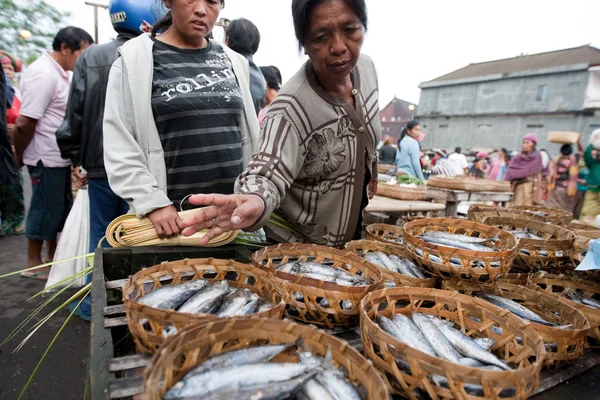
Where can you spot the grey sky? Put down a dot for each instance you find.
(414, 41)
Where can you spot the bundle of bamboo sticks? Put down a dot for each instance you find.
(130, 231)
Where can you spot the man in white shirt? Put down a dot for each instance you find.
(458, 161)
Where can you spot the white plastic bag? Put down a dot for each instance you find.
(74, 241)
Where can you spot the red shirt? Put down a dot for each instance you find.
(13, 112)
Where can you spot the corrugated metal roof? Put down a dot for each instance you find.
(577, 55)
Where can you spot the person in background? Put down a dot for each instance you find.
(273, 87)
(317, 164)
(496, 165)
(180, 122)
(387, 153)
(12, 203)
(278, 73)
(458, 161)
(79, 137)
(581, 189)
(507, 158)
(408, 158)
(45, 92)
(526, 173)
(562, 186)
(591, 204)
(243, 37)
(442, 166)
(8, 170)
(477, 170)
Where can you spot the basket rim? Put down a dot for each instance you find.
(445, 364)
(301, 280)
(383, 247)
(409, 237)
(394, 228)
(575, 332)
(568, 241)
(200, 332)
(133, 305)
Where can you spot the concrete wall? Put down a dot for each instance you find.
(564, 92)
(505, 131)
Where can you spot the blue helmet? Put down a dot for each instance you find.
(135, 16)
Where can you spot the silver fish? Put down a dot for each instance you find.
(390, 327)
(337, 385)
(411, 335)
(263, 306)
(466, 345)
(238, 377)
(437, 259)
(172, 296)
(262, 391)
(591, 302)
(457, 237)
(387, 262)
(389, 284)
(485, 343)
(401, 267)
(337, 281)
(250, 307)
(471, 362)
(438, 341)
(313, 390)
(414, 268)
(313, 270)
(497, 330)
(233, 303)
(373, 259)
(207, 301)
(456, 244)
(252, 355)
(515, 308)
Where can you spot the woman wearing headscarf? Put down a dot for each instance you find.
(526, 173)
(317, 163)
(562, 186)
(591, 204)
(179, 116)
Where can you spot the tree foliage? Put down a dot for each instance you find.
(36, 16)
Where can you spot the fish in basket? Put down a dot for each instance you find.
(397, 270)
(454, 248)
(441, 344)
(161, 300)
(562, 327)
(260, 359)
(324, 285)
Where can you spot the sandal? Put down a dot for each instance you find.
(39, 275)
(19, 230)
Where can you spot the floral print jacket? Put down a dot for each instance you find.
(316, 155)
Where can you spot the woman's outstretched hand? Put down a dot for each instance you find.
(222, 213)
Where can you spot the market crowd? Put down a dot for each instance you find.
(164, 118)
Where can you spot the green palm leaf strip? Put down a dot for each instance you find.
(39, 364)
(45, 265)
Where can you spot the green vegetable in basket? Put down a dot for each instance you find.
(409, 179)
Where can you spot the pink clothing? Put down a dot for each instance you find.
(262, 114)
(495, 168)
(45, 93)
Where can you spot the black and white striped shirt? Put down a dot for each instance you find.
(198, 109)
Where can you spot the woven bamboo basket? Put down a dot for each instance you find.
(198, 343)
(576, 225)
(557, 243)
(130, 231)
(385, 233)
(480, 266)
(361, 247)
(468, 184)
(562, 345)
(384, 350)
(555, 216)
(562, 284)
(515, 279)
(341, 308)
(384, 168)
(401, 192)
(171, 273)
(478, 213)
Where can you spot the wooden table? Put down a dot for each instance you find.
(453, 197)
(387, 205)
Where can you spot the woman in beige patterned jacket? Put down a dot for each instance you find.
(317, 162)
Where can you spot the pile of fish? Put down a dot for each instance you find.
(514, 308)
(323, 272)
(251, 374)
(201, 297)
(456, 241)
(395, 264)
(525, 234)
(439, 338)
(393, 238)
